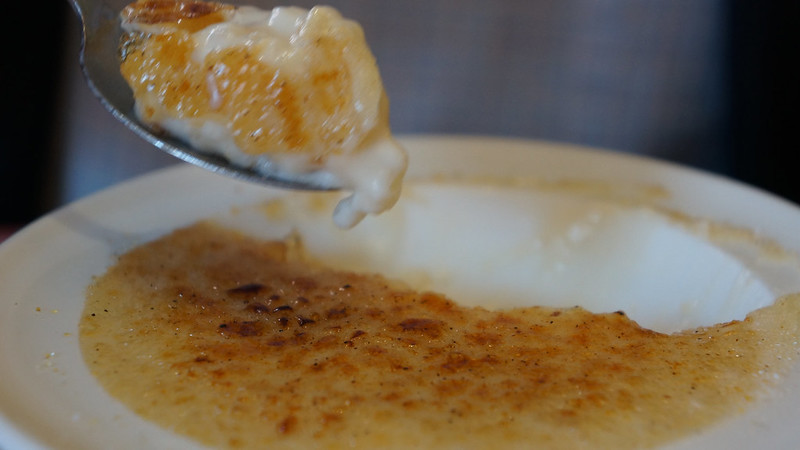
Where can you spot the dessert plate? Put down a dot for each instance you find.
(523, 216)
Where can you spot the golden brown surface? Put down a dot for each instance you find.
(189, 15)
(238, 343)
(267, 107)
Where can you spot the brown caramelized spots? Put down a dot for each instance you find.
(258, 308)
(287, 425)
(190, 15)
(302, 321)
(242, 329)
(427, 327)
(357, 333)
(337, 313)
(250, 288)
(291, 358)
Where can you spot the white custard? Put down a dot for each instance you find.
(501, 247)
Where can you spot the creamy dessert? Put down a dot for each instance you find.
(287, 90)
(237, 342)
(241, 343)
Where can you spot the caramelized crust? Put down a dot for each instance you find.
(236, 343)
(330, 101)
(294, 94)
(175, 12)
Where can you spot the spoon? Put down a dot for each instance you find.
(99, 59)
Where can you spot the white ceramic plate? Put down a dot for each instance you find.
(48, 399)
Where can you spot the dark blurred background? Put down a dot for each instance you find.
(710, 84)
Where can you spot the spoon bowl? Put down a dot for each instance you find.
(99, 59)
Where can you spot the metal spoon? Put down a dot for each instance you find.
(99, 58)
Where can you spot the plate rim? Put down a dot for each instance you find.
(10, 431)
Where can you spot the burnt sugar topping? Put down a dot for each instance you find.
(237, 343)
